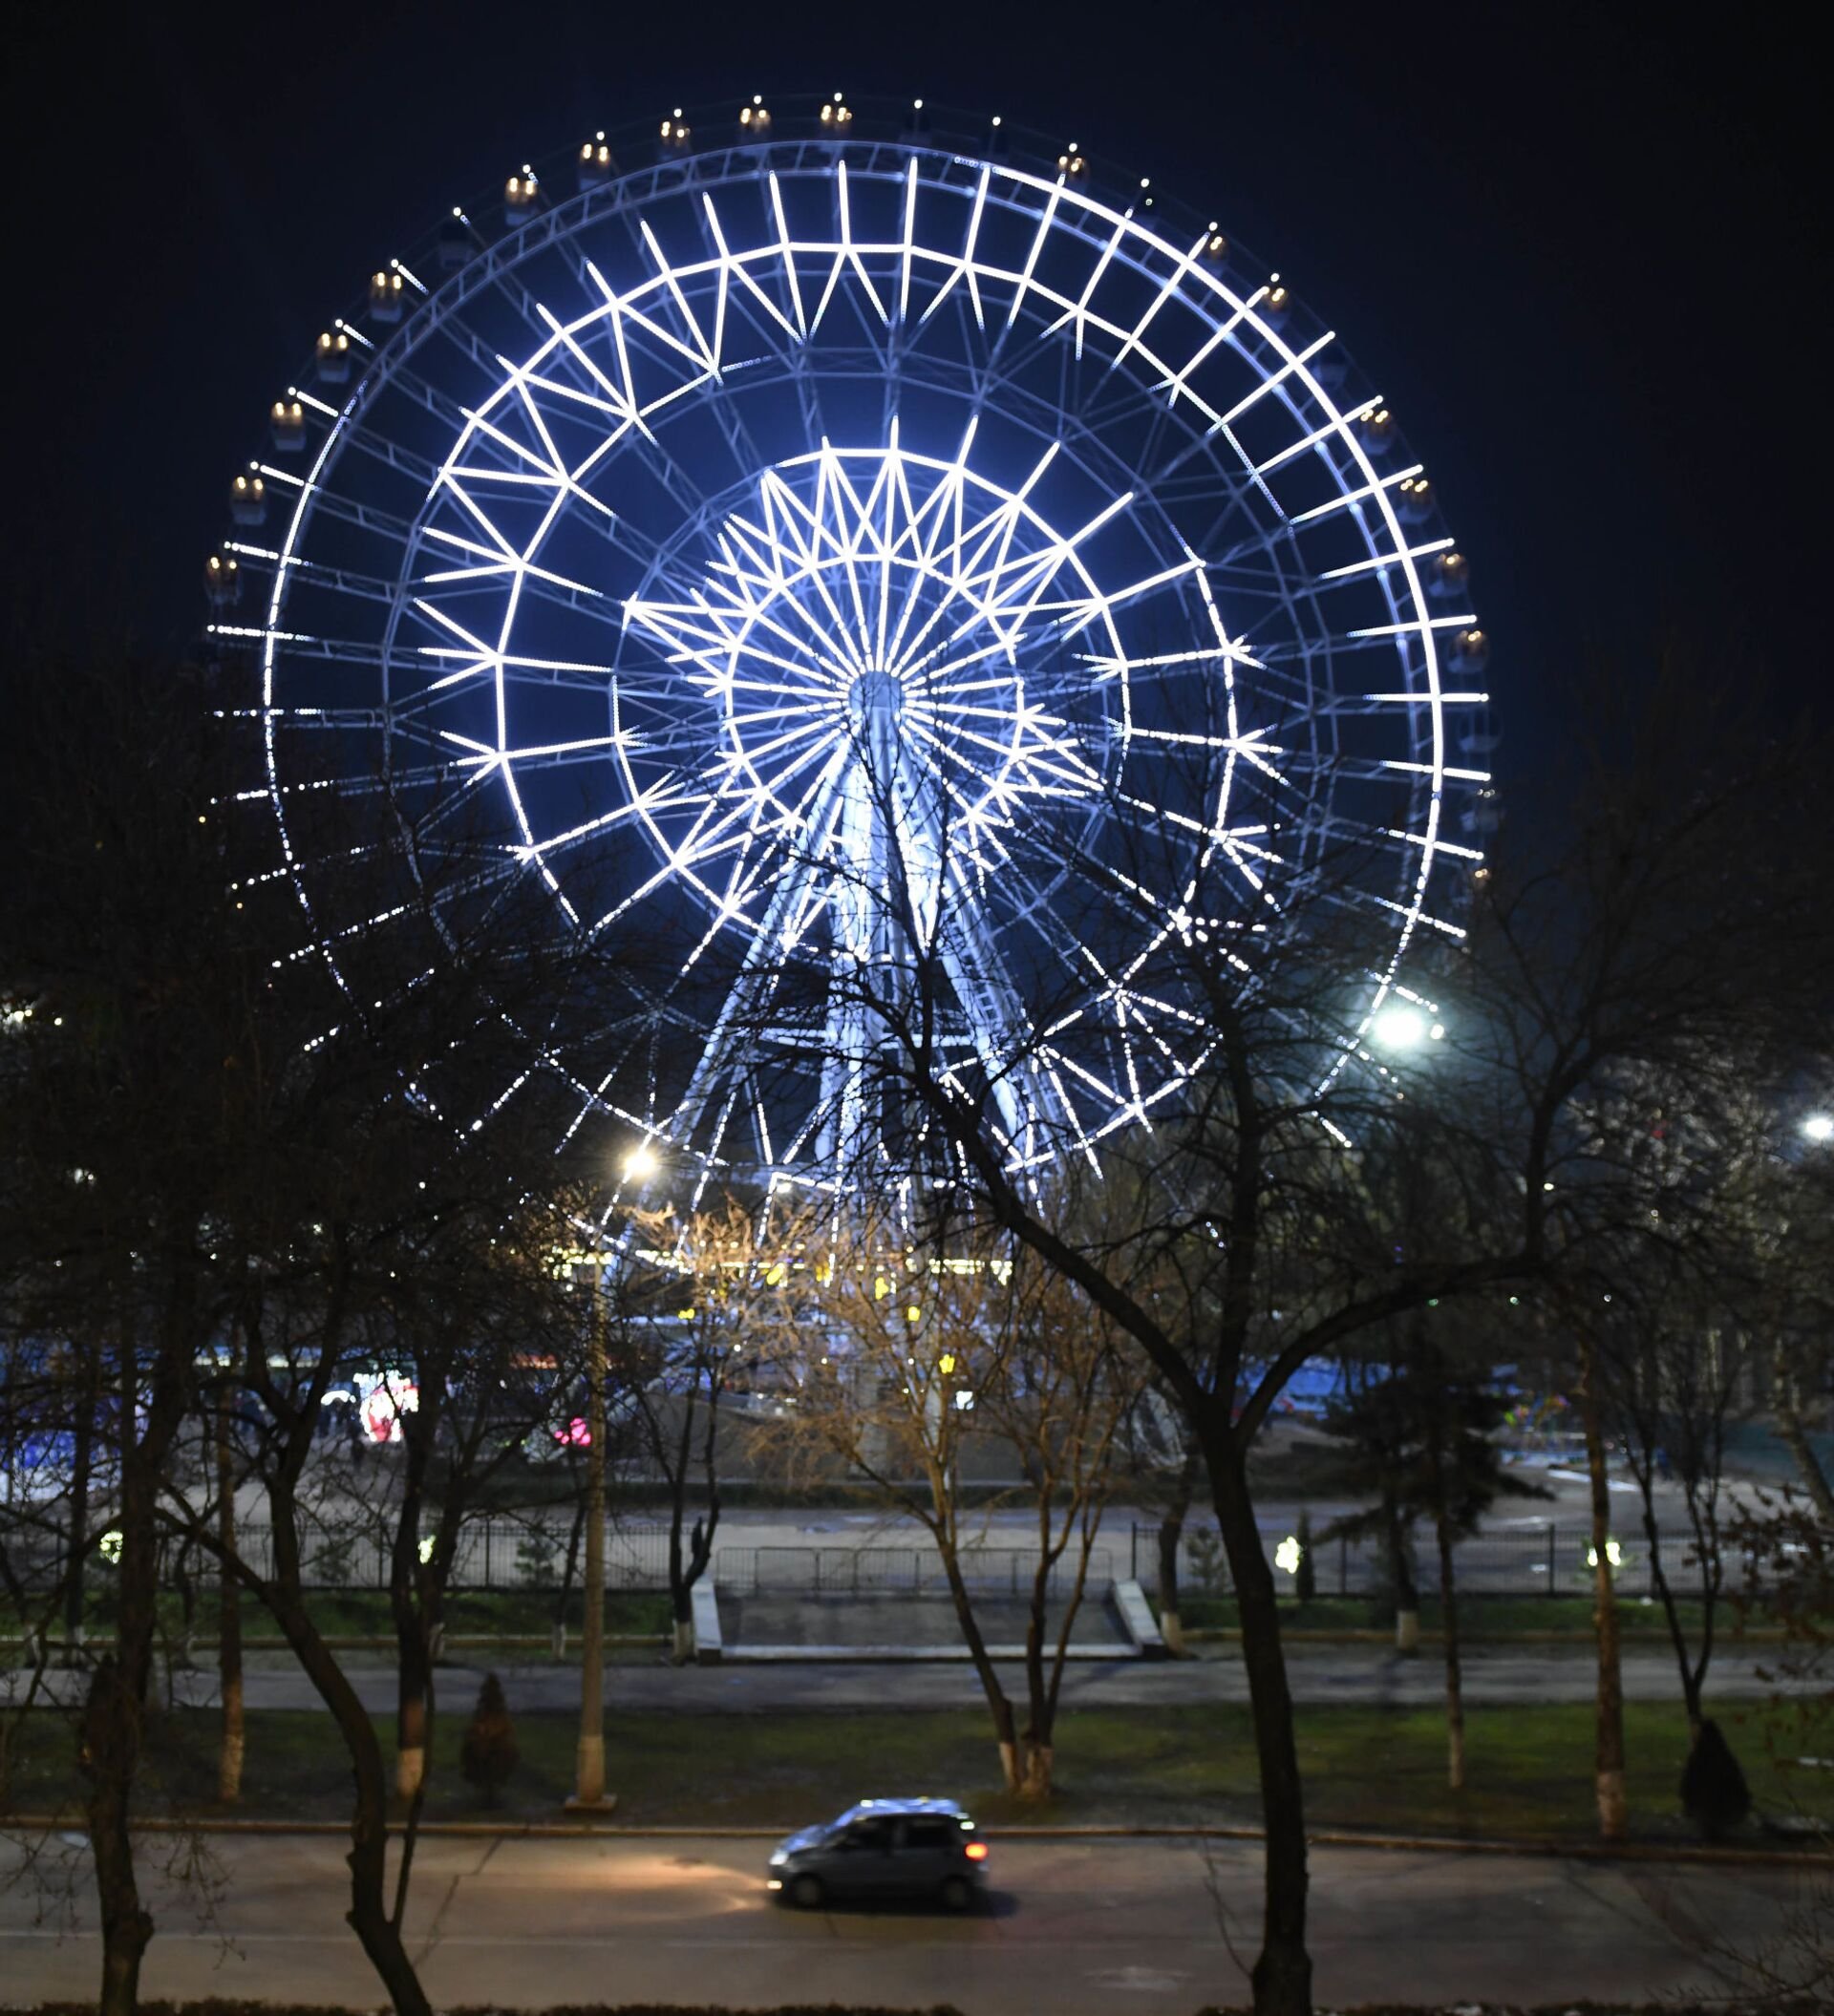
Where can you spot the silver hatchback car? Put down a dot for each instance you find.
(884, 1848)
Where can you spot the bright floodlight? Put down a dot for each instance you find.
(640, 1164)
(826, 547)
(1401, 1028)
(1819, 1127)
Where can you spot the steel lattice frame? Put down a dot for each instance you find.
(784, 524)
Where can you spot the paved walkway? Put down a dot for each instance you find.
(1347, 1675)
(1075, 1928)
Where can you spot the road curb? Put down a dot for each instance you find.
(1327, 1838)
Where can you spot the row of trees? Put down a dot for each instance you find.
(232, 1169)
(1655, 964)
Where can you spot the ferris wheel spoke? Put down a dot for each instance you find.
(628, 540)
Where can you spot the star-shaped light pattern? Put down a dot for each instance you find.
(875, 594)
(905, 676)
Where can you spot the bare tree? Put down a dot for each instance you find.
(1266, 1187)
(685, 1319)
(904, 1349)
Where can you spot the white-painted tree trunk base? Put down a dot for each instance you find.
(1407, 1630)
(410, 1767)
(589, 1772)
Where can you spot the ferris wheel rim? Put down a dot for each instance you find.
(546, 228)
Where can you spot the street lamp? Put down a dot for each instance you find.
(640, 1164)
(590, 1795)
(1401, 1028)
(1819, 1127)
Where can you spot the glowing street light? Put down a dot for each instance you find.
(1820, 1127)
(1401, 1028)
(640, 1164)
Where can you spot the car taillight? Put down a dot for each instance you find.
(975, 1850)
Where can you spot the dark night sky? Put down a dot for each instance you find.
(1580, 249)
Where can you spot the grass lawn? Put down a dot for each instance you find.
(1365, 1768)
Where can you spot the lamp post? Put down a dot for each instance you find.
(590, 1795)
(589, 1788)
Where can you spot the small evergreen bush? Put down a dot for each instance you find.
(1713, 1793)
(489, 1753)
(1305, 1579)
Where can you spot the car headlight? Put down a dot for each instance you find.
(778, 1859)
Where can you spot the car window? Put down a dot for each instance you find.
(874, 1834)
(929, 1831)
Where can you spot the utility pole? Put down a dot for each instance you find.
(588, 1790)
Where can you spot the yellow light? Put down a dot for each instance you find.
(775, 1276)
(881, 1287)
(912, 1313)
(946, 1362)
(640, 1163)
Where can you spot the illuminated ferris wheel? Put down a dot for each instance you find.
(854, 552)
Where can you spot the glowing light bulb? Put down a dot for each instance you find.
(1401, 1028)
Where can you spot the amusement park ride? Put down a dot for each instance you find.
(891, 543)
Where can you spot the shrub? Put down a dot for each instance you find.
(1305, 1580)
(1714, 1792)
(489, 1753)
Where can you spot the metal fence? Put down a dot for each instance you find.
(1542, 1559)
(493, 1553)
(894, 1571)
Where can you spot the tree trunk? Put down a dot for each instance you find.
(113, 1715)
(567, 1572)
(1035, 1743)
(1664, 1593)
(588, 1763)
(82, 1461)
(1282, 1975)
(1005, 1722)
(1453, 1676)
(1613, 1815)
(411, 1721)
(1407, 1596)
(229, 1754)
(1037, 1760)
(1171, 1531)
(368, 1917)
(109, 1757)
(1791, 1434)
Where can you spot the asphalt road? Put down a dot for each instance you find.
(1072, 1927)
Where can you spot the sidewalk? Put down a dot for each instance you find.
(1321, 1675)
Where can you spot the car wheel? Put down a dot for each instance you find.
(957, 1893)
(806, 1893)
